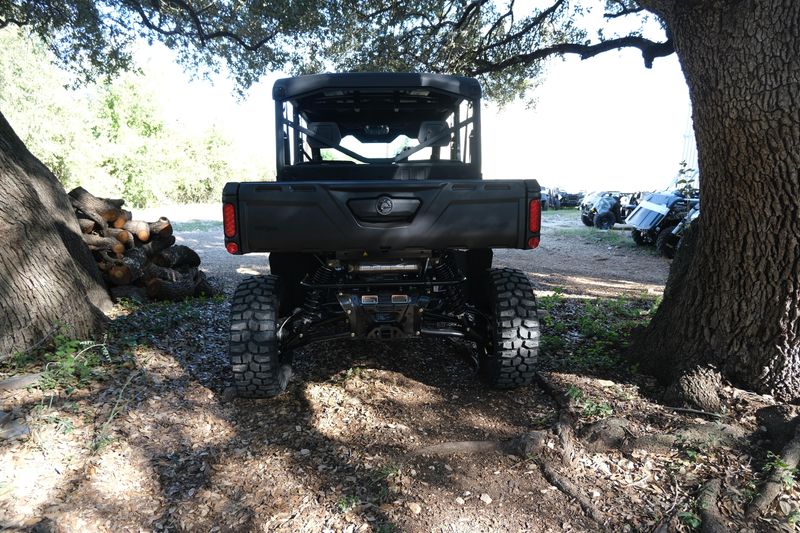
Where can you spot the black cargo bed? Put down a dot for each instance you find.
(351, 216)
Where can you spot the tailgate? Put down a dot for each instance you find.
(381, 215)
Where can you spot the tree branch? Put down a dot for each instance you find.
(650, 51)
(15, 22)
(197, 24)
(624, 7)
(533, 23)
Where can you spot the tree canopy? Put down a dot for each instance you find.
(501, 42)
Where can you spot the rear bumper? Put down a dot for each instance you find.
(356, 216)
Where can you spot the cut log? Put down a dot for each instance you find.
(175, 291)
(87, 225)
(96, 242)
(91, 205)
(178, 256)
(122, 218)
(135, 259)
(193, 283)
(140, 229)
(162, 227)
(156, 246)
(123, 236)
(120, 274)
(152, 271)
(206, 287)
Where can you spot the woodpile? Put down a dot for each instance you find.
(139, 260)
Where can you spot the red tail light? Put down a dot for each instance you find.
(232, 247)
(229, 220)
(535, 216)
(533, 242)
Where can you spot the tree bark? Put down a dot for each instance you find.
(733, 294)
(48, 277)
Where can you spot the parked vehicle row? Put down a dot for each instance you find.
(556, 199)
(662, 217)
(603, 209)
(659, 218)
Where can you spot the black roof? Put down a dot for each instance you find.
(287, 88)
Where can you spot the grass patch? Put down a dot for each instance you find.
(591, 335)
(198, 225)
(65, 363)
(589, 408)
(347, 502)
(619, 238)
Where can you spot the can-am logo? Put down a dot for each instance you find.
(385, 205)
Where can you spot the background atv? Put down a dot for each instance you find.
(603, 209)
(655, 218)
(668, 244)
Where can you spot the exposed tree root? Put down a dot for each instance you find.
(601, 436)
(534, 445)
(712, 521)
(465, 447)
(696, 389)
(567, 418)
(570, 489)
(697, 412)
(790, 455)
(524, 446)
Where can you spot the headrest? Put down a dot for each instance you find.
(326, 130)
(432, 128)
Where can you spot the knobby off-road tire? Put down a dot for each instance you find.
(587, 220)
(510, 360)
(604, 220)
(638, 238)
(667, 243)
(258, 371)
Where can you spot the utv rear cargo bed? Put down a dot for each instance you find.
(382, 215)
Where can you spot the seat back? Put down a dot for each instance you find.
(326, 130)
(432, 128)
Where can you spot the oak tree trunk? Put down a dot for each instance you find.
(733, 302)
(48, 278)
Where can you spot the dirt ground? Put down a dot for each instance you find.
(161, 444)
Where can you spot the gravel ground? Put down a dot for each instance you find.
(161, 444)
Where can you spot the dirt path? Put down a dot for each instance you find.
(162, 445)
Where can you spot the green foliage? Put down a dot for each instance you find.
(66, 364)
(589, 407)
(118, 138)
(778, 467)
(690, 519)
(63, 425)
(503, 43)
(591, 334)
(389, 471)
(347, 502)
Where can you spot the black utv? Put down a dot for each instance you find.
(380, 226)
(657, 216)
(603, 209)
(669, 238)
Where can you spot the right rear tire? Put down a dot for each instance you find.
(258, 370)
(510, 360)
